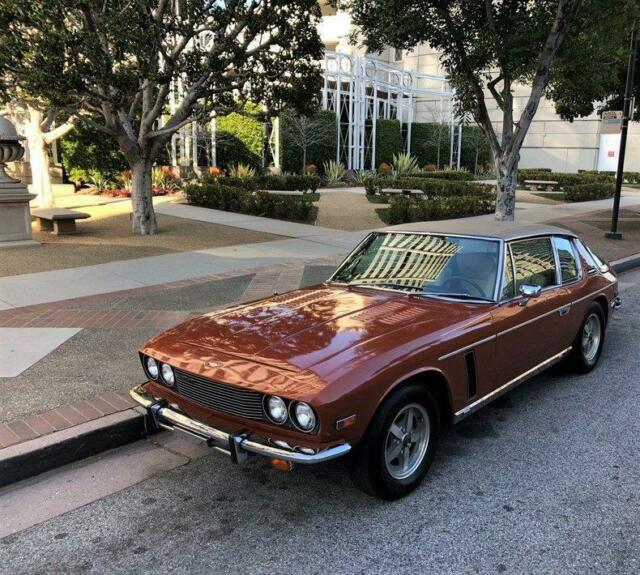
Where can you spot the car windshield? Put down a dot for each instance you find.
(440, 266)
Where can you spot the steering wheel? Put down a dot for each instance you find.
(470, 283)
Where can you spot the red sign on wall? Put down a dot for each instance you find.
(611, 154)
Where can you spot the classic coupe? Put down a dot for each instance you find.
(414, 330)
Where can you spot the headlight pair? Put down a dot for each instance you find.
(163, 370)
(302, 415)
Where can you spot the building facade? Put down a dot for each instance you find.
(550, 143)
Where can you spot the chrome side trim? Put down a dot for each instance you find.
(238, 446)
(469, 409)
(466, 348)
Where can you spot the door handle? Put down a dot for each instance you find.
(564, 310)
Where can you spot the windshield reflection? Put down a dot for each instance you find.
(447, 266)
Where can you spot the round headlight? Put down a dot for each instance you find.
(277, 409)
(152, 368)
(304, 416)
(167, 374)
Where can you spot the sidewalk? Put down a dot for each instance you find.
(70, 337)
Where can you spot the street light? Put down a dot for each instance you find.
(614, 234)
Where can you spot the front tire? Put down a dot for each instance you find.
(396, 452)
(589, 341)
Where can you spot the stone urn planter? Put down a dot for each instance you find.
(15, 215)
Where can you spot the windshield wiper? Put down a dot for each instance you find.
(458, 296)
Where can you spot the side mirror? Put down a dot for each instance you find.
(529, 291)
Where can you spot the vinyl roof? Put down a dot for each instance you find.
(483, 228)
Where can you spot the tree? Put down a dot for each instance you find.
(40, 124)
(305, 132)
(488, 47)
(123, 60)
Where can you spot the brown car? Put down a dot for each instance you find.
(413, 331)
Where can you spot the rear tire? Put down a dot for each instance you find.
(398, 448)
(587, 346)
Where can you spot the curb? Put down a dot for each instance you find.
(626, 264)
(24, 460)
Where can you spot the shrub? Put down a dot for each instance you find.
(431, 187)
(405, 209)
(215, 171)
(290, 182)
(165, 177)
(333, 172)
(563, 179)
(446, 175)
(388, 140)
(310, 169)
(384, 168)
(586, 192)
(240, 138)
(429, 168)
(404, 165)
(430, 142)
(214, 194)
(242, 172)
(87, 153)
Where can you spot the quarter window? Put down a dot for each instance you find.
(508, 285)
(534, 263)
(567, 259)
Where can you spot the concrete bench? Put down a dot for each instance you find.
(404, 192)
(285, 192)
(535, 185)
(60, 221)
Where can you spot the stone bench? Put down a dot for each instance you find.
(400, 192)
(535, 185)
(60, 221)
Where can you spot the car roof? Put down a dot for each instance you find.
(484, 228)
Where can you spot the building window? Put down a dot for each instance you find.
(396, 54)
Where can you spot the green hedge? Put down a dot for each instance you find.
(563, 179)
(586, 192)
(431, 188)
(240, 138)
(88, 154)
(628, 177)
(317, 154)
(425, 144)
(445, 175)
(288, 183)
(404, 210)
(388, 140)
(240, 200)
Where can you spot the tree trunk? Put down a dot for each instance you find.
(143, 219)
(39, 164)
(304, 158)
(506, 192)
(475, 163)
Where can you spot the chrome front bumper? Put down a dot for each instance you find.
(237, 446)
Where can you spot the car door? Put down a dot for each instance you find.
(528, 329)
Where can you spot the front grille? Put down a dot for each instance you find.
(219, 396)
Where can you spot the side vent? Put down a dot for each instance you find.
(470, 363)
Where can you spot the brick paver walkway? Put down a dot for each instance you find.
(102, 315)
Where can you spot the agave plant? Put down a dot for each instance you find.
(242, 171)
(333, 171)
(99, 182)
(404, 165)
(361, 177)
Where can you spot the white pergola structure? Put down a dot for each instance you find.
(361, 90)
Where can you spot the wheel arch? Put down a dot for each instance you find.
(601, 299)
(437, 383)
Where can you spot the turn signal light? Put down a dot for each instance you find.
(345, 422)
(281, 464)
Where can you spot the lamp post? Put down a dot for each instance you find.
(614, 234)
(15, 215)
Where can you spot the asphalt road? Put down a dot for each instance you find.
(544, 481)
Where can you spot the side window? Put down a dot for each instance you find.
(534, 263)
(508, 284)
(567, 259)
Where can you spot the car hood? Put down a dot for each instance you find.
(298, 330)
